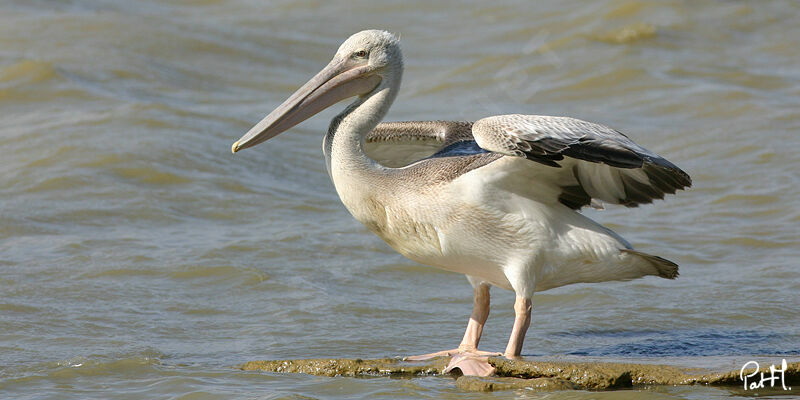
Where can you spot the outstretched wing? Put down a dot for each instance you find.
(586, 160)
(397, 144)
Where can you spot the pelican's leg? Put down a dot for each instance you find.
(472, 336)
(480, 312)
(522, 320)
(467, 357)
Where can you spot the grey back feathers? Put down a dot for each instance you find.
(586, 160)
(398, 144)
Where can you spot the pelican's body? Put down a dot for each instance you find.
(474, 224)
(498, 201)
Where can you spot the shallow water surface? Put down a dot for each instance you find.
(140, 259)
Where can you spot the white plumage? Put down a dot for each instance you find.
(496, 200)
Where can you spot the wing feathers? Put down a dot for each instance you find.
(608, 165)
(582, 160)
(397, 144)
(574, 197)
(603, 151)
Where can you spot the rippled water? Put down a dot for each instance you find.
(140, 259)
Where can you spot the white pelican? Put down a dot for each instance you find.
(498, 201)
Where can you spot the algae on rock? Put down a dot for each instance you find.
(516, 374)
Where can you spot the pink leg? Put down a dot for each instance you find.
(480, 312)
(469, 344)
(469, 360)
(522, 320)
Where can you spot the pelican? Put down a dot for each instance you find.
(497, 200)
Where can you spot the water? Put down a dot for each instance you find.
(140, 259)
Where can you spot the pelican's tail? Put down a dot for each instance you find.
(665, 268)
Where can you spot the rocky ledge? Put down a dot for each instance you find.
(535, 375)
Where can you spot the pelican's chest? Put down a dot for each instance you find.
(400, 223)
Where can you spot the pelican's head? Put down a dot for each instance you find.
(361, 64)
(380, 50)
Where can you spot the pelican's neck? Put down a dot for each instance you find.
(344, 143)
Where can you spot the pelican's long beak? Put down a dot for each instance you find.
(342, 78)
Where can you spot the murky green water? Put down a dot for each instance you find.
(140, 259)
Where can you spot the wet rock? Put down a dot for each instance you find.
(516, 374)
(590, 375)
(478, 384)
(350, 367)
(598, 376)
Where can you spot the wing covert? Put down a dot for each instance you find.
(589, 160)
(397, 144)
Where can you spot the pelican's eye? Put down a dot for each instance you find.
(360, 54)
